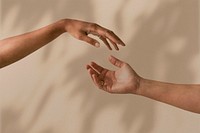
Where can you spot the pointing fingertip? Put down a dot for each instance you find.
(123, 44)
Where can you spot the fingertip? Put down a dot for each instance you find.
(116, 46)
(111, 57)
(97, 44)
(87, 66)
(91, 41)
(90, 71)
(109, 47)
(92, 63)
(123, 44)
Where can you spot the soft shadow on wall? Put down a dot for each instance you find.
(146, 44)
(27, 15)
(167, 38)
(169, 33)
(170, 21)
(11, 117)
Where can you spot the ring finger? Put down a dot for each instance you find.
(105, 41)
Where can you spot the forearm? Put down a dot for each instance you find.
(186, 97)
(15, 48)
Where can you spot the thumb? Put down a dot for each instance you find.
(116, 62)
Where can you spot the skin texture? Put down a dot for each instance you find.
(15, 48)
(126, 81)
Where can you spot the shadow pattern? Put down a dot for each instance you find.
(178, 19)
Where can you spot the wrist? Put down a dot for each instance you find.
(62, 25)
(140, 86)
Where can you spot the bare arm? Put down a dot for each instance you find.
(15, 48)
(126, 80)
(185, 96)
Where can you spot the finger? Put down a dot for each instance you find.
(105, 42)
(97, 81)
(95, 29)
(113, 37)
(94, 80)
(102, 75)
(91, 70)
(115, 45)
(116, 61)
(102, 38)
(97, 67)
(89, 40)
(92, 73)
(88, 67)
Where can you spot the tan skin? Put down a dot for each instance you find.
(15, 48)
(125, 80)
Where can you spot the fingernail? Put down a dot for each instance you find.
(97, 44)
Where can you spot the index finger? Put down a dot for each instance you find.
(97, 67)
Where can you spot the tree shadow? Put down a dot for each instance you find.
(26, 15)
(155, 33)
(179, 21)
(12, 117)
(170, 20)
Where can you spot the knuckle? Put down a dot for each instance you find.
(94, 26)
(80, 37)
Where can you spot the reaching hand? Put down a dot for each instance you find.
(124, 80)
(81, 30)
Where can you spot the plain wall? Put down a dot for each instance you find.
(51, 92)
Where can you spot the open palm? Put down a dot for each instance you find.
(123, 80)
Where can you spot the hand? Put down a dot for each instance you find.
(81, 30)
(124, 80)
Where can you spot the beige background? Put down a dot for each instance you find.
(50, 91)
